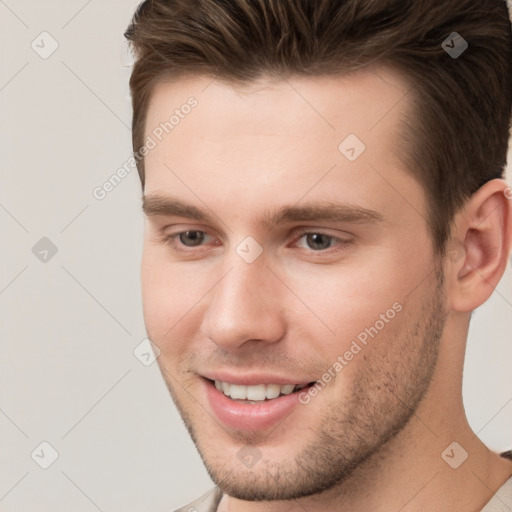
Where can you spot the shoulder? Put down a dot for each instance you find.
(208, 502)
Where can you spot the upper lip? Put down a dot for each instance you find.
(252, 379)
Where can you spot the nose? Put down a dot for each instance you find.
(244, 306)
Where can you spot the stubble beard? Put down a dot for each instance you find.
(352, 432)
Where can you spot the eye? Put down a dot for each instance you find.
(191, 238)
(189, 242)
(319, 241)
(312, 241)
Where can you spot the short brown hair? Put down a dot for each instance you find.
(458, 137)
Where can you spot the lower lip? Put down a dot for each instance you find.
(241, 416)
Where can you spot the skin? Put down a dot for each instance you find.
(372, 438)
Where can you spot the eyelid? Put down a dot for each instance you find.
(321, 231)
(178, 229)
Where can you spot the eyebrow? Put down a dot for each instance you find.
(154, 204)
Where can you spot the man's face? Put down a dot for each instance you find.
(311, 264)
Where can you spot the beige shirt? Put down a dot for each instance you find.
(206, 503)
(500, 502)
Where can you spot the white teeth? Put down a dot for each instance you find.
(256, 393)
(237, 391)
(273, 391)
(287, 389)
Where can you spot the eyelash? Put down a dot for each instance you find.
(343, 243)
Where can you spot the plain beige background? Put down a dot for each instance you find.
(69, 324)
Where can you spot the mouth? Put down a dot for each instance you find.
(253, 402)
(258, 393)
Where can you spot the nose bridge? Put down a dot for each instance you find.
(243, 305)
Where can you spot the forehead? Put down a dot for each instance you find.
(355, 102)
(279, 135)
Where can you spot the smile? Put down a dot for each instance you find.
(256, 393)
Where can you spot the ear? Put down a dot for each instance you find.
(477, 254)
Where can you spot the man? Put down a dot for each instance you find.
(324, 209)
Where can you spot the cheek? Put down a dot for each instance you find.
(171, 294)
(160, 291)
(152, 303)
(342, 302)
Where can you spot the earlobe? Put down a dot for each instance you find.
(478, 251)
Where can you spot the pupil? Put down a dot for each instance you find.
(315, 241)
(195, 237)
